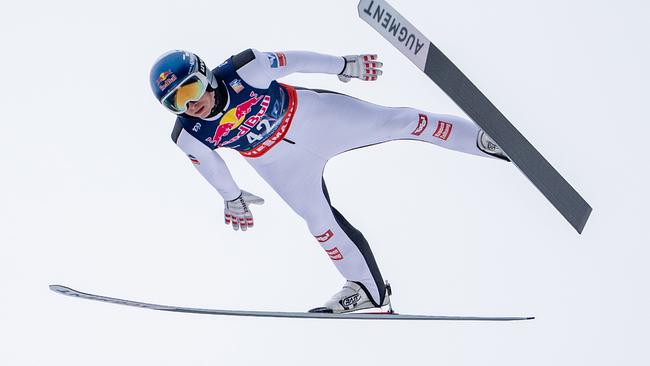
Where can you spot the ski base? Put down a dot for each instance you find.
(63, 290)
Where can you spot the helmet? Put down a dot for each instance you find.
(179, 77)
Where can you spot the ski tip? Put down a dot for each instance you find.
(60, 289)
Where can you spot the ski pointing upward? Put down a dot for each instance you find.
(273, 314)
(428, 58)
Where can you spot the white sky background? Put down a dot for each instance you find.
(94, 194)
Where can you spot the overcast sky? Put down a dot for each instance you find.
(95, 196)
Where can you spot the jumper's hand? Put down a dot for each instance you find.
(237, 211)
(364, 67)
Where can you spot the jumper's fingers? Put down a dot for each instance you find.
(235, 223)
(374, 64)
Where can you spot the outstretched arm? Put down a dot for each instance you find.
(214, 170)
(280, 64)
(209, 164)
(264, 67)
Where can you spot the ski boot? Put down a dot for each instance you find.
(488, 146)
(353, 297)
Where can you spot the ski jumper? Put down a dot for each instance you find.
(287, 134)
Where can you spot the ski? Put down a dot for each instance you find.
(428, 58)
(273, 314)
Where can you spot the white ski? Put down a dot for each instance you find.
(274, 314)
(428, 58)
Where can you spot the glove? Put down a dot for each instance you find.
(364, 67)
(237, 212)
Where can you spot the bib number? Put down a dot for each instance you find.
(263, 127)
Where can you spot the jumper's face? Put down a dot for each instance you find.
(202, 107)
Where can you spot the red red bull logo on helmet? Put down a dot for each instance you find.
(234, 118)
(165, 79)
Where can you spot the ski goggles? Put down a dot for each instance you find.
(189, 90)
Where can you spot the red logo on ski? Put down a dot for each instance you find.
(443, 131)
